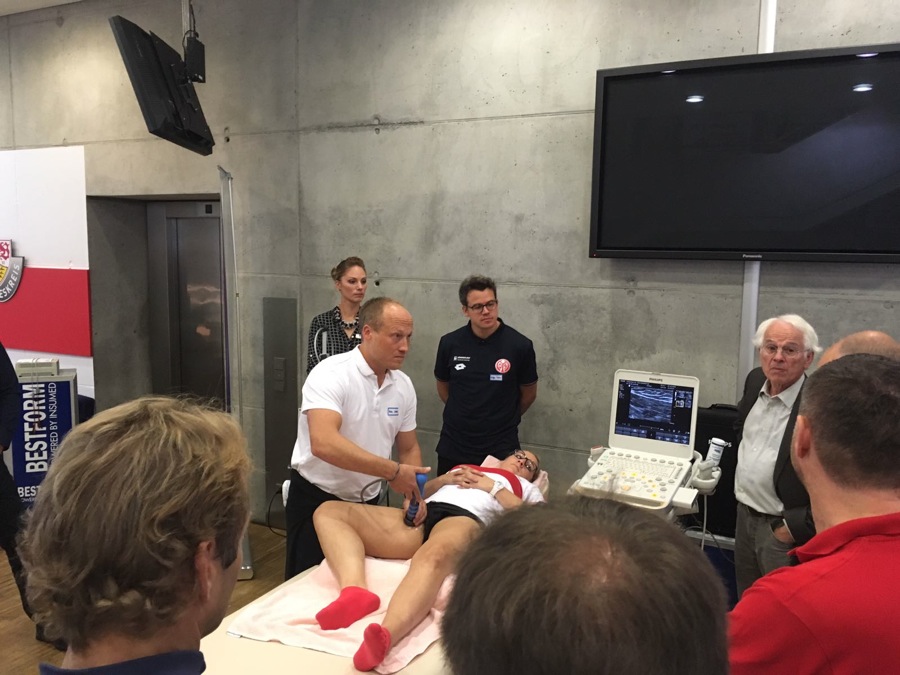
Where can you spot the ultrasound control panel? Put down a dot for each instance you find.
(635, 477)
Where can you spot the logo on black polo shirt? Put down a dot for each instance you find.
(502, 366)
(460, 366)
(462, 358)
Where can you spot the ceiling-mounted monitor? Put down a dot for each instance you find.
(787, 156)
(163, 88)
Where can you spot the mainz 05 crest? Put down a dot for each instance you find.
(10, 270)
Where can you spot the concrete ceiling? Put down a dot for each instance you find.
(16, 6)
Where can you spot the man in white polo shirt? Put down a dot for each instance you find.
(356, 406)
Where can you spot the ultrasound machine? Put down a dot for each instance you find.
(651, 445)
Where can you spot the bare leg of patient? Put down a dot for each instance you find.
(347, 533)
(415, 595)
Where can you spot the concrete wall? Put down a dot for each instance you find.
(117, 237)
(437, 139)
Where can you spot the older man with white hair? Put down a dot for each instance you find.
(773, 512)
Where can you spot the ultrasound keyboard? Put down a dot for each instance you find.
(639, 478)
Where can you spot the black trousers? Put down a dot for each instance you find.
(303, 549)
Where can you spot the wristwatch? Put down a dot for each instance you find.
(497, 487)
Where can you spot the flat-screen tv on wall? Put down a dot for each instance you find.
(786, 156)
(163, 87)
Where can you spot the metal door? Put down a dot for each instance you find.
(187, 321)
(200, 299)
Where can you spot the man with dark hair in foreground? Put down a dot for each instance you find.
(838, 611)
(585, 587)
(133, 546)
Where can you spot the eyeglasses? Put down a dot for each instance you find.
(479, 307)
(789, 351)
(521, 456)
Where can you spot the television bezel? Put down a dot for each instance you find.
(598, 251)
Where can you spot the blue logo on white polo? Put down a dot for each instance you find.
(393, 411)
(496, 377)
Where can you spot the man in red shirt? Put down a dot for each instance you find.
(838, 611)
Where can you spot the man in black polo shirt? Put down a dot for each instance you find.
(486, 377)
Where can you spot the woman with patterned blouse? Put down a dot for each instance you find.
(337, 330)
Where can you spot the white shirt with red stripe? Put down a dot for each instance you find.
(480, 503)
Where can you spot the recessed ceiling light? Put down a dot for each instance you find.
(867, 55)
(667, 72)
(694, 98)
(862, 87)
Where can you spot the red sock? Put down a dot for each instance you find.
(352, 604)
(376, 644)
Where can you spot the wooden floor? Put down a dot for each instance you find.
(22, 653)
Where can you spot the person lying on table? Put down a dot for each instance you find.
(457, 505)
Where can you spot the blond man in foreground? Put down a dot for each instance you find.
(132, 548)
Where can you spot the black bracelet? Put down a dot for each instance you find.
(396, 473)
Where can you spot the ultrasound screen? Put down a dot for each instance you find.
(654, 411)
